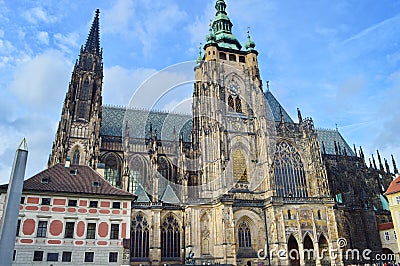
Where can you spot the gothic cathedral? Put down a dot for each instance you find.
(237, 182)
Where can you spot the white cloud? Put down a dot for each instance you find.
(43, 80)
(43, 37)
(120, 83)
(37, 15)
(67, 43)
(118, 18)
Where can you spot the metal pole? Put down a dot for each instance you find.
(8, 223)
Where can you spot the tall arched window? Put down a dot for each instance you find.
(85, 90)
(164, 168)
(231, 103)
(112, 172)
(309, 257)
(293, 251)
(170, 238)
(82, 110)
(139, 237)
(239, 166)
(238, 104)
(138, 173)
(244, 235)
(76, 157)
(290, 179)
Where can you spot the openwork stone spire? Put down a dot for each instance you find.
(93, 41)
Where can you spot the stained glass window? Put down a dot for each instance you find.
(290, 179)
(170, 238)
(139, 237)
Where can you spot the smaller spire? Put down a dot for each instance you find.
(250, 45)
(200, 57)
(380, 161)
(355, 150)
(373, 161)
(361, 153)
(394, 166)
(281, 114)
(370, 163)
(299, 115)
(267, 85)
(387, 166)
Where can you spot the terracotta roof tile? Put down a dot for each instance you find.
(385, 226)
(75, 179)
(394, 186)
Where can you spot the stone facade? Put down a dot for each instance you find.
(233, 180)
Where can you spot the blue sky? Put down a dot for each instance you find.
(338, 61)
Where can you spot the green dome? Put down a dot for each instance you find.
(250, 45)
(210, 38)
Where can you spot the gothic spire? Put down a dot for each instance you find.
(93, 40)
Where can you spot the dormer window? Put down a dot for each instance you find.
(73, 171)
(45, 180)
(96, 184)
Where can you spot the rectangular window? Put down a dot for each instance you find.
(89, 256)
(46, 201)
(91, 231)
(232, 57)
(69, 229)
(14, 254)
(387, 237)
(22, 200)
(52, 256)
(66, 256)
(42, 229)
(116, 205)
(93, 204)
(394, 235)
(242, 59)
(113, 257)
(38, 255)
(72, 203)
(18, 227)
(398, 200)
(114, 234)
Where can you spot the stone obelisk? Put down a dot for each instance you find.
(9, 220)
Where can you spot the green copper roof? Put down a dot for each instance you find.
(169, 196)
(222, 27)
(141, 194)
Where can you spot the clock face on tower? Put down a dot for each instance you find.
(233, 89)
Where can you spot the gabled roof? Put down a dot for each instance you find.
(394, 186)
(77, 179)
(141, 194)
(328, 137)
(276, 108)
(169, 196)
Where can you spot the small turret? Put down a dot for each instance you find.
(299, 115)
(395, 171)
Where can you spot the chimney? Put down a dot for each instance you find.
(67, 162)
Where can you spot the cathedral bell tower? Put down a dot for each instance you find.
(78, 133)
(229, 111)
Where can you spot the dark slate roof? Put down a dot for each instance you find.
(275, 108)
(64, 180)
(139, 122)
(328, 137)
(112, 123)
(164, 123)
